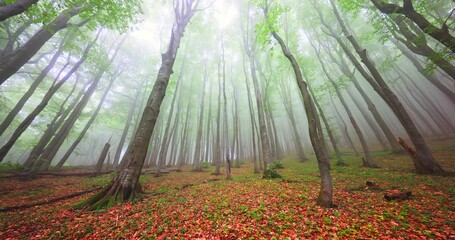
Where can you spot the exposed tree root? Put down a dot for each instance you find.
(7, 209)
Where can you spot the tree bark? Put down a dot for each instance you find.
(126, 129)
(442, 34)
(125, 185)
(325, 197)
(15, 8)
(423, 152)
(13, 62)
(368, 161)
(12, 114)
(197, 151)
(29, 119)
(88, 124)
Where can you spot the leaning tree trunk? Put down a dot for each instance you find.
(87, 125)
(12, 114)
(125, 185)
(396, 148)
(427, 163)
(126, 129)
(325, 197)
(441, 35)
(340, 161)
(367, 161)
(29, 119)
(15, 8)
(13, 62)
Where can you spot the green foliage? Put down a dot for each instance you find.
(9, 166)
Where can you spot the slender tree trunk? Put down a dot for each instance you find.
(367, 161)
(396, 148)
(126, 129)
(29, 119)
(87, 125)
(345, 128)
(197, 151)
(13, 62)
(428, 75)
(325, 197)
(52, 128)
(285, 96)
(252, 118)
(13, 113)
(340, 161)
(427, 163)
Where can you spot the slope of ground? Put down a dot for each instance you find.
(191, 205)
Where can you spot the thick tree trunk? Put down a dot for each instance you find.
(125, 185)
(15, 8)
(13, 62)
(423, 152)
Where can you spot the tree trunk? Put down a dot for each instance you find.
(197, 151)
(423, 152)
(99, 163)
(13, 62)
(340, 161)
(15, 8)
(251, 111)
(125, 185)
(325, 197)
(12, 114)
(368, 161)
(54, 126)
(88, 124)
(371, 106)
(126, 129)
(442, 34)
(29, 119)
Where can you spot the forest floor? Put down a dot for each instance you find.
(193, 205)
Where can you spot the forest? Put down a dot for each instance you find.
(227, 119)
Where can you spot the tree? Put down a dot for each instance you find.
(125, 185)
(424, 160)
(441, 34)
(325, 197)
(15, 8)
(112, 14)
